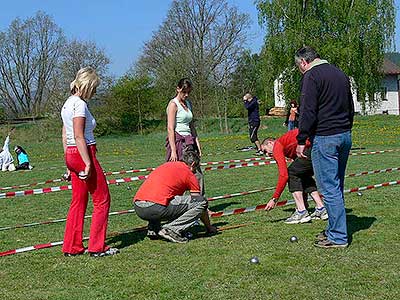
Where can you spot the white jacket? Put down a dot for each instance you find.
(5, 155)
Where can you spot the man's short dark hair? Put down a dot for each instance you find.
(307, 53)
(190, 157)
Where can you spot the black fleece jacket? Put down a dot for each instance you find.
(326, 101)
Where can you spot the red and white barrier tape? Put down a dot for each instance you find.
(121, 180)
(29, 184)
(129, 171)
(370, 187)
(65, 187)
(374, 152)
(213, 215)
(53, 244)
(373, 172)
(235, 161)
(254, 164)
(203, 164)
(136, 171)
(352, 190)
(226, 196)
(122, 212)
(143, 177)
(288, 202)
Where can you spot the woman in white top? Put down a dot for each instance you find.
(86, 173)
(182, 133)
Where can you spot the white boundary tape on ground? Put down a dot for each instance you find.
(226, 196)
(212, 215)
(123, 212)
(202, 164)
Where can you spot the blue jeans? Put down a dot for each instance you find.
(291, 125)
(329, 157)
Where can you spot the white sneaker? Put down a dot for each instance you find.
(320, 214)
(297, 218)
(110, 251)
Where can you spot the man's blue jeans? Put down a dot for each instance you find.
(329, 157)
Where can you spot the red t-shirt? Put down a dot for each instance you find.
(285, 147)
(167, 181)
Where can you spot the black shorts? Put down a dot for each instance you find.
(253, 128)
(301, 175)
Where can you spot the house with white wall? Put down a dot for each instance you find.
(390, 92)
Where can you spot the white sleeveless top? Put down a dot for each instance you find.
(183, 118)
(76, 107)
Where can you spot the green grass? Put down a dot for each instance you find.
(206, 268)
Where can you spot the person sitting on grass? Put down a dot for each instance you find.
(160, 198)
(299, 175)
(6, 159)
(22, 158)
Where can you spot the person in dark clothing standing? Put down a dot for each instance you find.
(252, 105)
(326, 117)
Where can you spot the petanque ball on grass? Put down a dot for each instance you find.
(117, 183)
(254, 260)
(294, 239)
(128, 187)
(359, 193)
(189, 235)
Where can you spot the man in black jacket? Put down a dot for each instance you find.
(326, 117)
(252, 106)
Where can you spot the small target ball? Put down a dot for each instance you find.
(359, 193)
(128, 187)
(294, 239)
(254, 260)
(117, 183)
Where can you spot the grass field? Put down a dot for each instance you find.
(207, 267)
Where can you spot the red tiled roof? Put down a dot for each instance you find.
(390, 68)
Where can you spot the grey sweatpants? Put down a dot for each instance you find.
(181, 213)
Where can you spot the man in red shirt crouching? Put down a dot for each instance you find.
(299, 175)
(160, 198)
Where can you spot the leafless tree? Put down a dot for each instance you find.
(30, 51)
(76, 55)
(37, 63)
(200, 39)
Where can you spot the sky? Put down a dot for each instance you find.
(121, 27)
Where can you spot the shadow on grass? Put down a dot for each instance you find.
(127, 239)
(355, 224)
(200, 231)
(222, 206)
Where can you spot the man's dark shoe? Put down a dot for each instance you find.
(259, 153)
(172, 236)
(152, 235)
(321, 236)
(327, 244)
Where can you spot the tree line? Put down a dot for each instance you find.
(204, 40)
